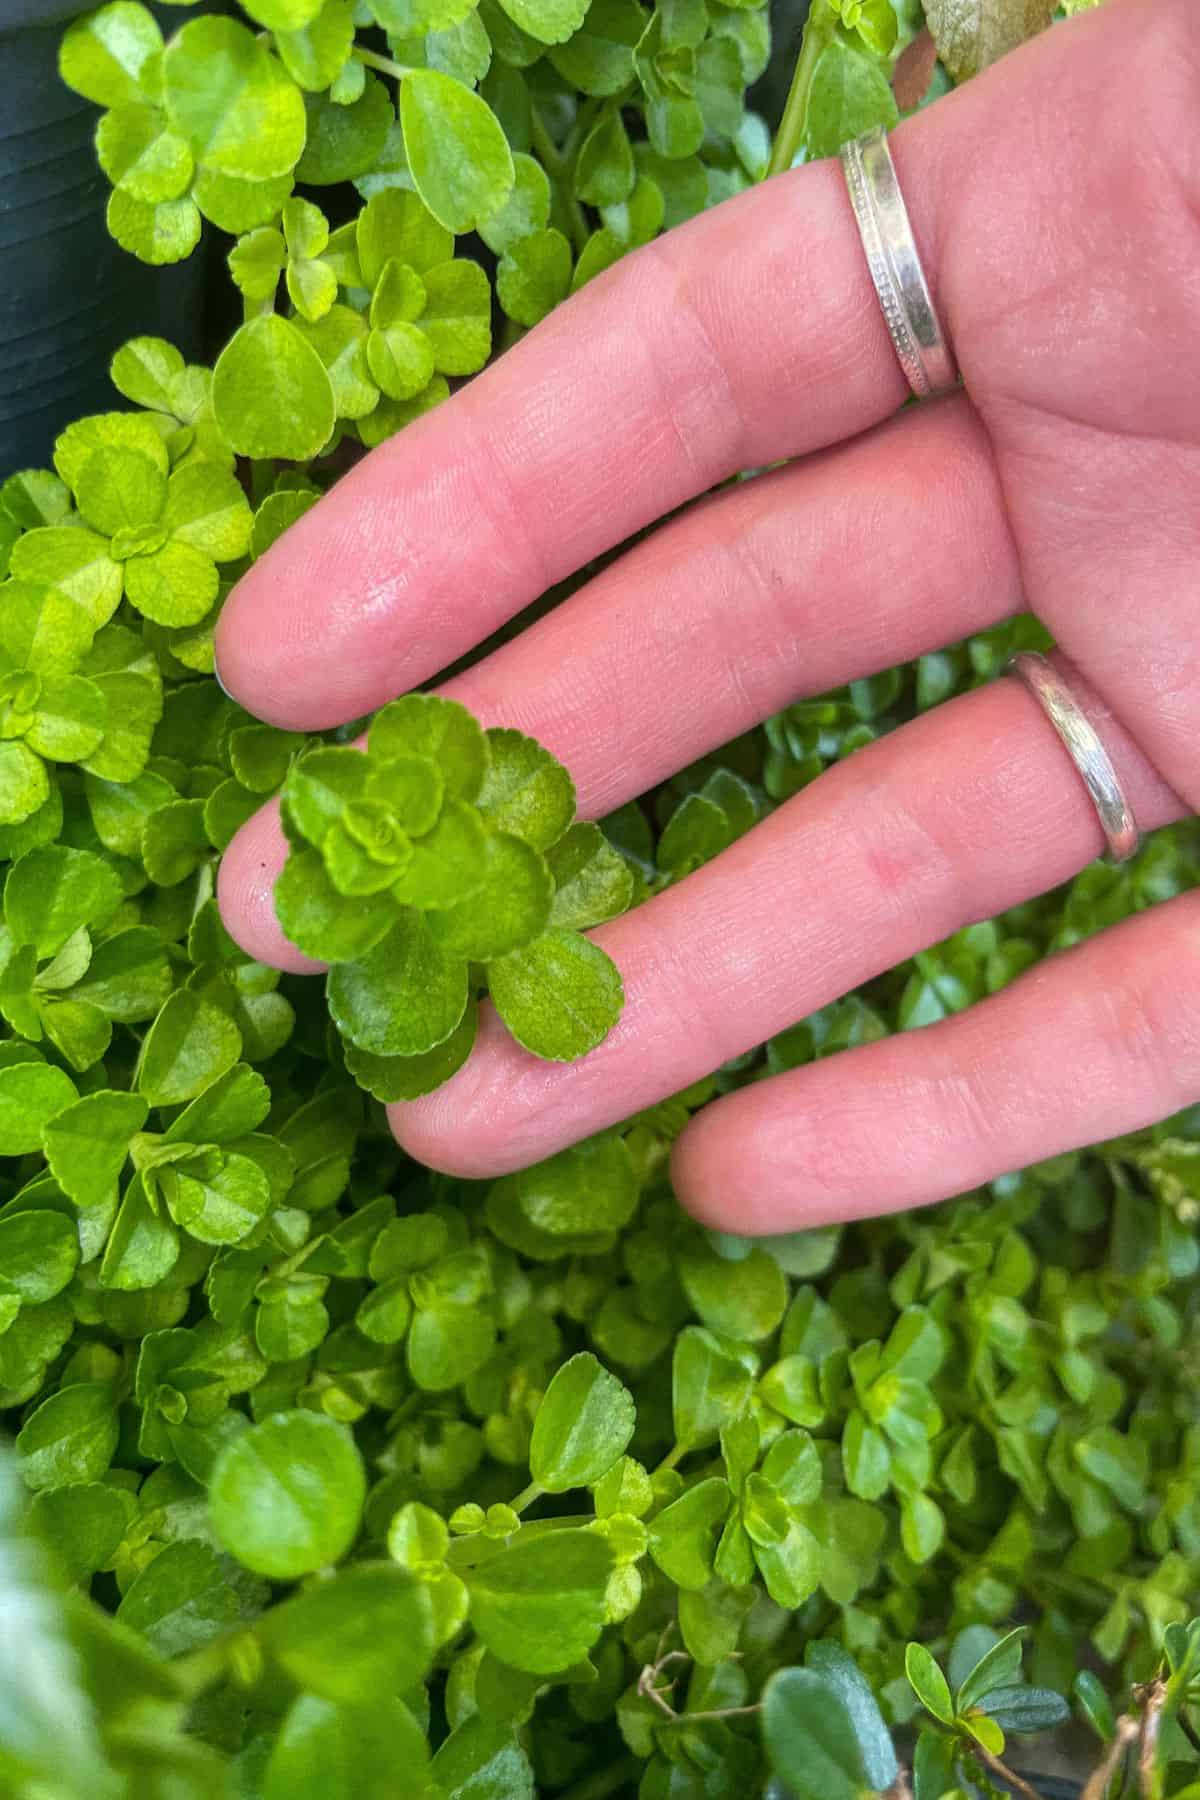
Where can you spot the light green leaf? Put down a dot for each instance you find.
(321, 922)
(457, 317)
(526, 210)
(457, 151)
(271, 394)
(539, 1604)
(534, 276)
(175, 842)
(683, 1536)
(206, 508)
(107, 55)
(928, 1683)
(526, 791)
(391, 1078)
(53, 891)
(348, 1751)
(87, 1143)
(584, 1423)
(447, 1344)
(592, 881)
(162, 232)
(850, 93)
(74, 561)
(397, 225)
(68, 720)
(549, 21)
(189, 1045)
(39, 1251)
(559, 996)
(82, 1525)
(70, 1437)
(174, 585)
(219, 1206)
(24, 784)
(367, 1631)
(403, 997)
(340, 340)
(510, 909)
(400, 360)
(314, 53)
(447, 865)
(598, 57)
(235, 205)
(286, 1496)
(604, 173)
(181, 1600)
(139, 153)
(230, 99)
(440, 730)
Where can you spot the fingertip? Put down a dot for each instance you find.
(246, 894)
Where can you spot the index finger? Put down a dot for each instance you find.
(749, 335)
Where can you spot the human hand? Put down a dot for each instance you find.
(1056, 201)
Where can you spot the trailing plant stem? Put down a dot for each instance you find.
(385, 64)
(818, 33)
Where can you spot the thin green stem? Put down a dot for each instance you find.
(384, 64)
(526, 1497)
(560, 173)
(672, 1459)
(818, 33)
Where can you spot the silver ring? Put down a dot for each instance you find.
(895, 265)
(1084, 748)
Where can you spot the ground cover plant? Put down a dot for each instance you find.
(328, 1476)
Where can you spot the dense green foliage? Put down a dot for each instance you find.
(336, 1478)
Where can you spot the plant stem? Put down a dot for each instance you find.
(620, 1774)
(526, 1497)
(559, 171)
(818, 32)
(1098, 1783)
(671, 1459)
(373, 60)
(1001, 1769)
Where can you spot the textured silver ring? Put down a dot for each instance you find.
(895, 265)
(1085, 749)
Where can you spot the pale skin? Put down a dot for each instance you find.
(1056, 203)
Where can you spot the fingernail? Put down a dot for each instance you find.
(217, 677)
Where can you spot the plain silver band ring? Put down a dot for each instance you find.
(1086, 751)
(895, 265)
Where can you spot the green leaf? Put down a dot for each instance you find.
(998, 1667)
(482, 1759)
(74, 561)
(271, 393)
(447, 1344)
(850, 93)
(175, 842)
(82, 1525)
(534, 276)
(402, 998)
(53, 891)
(320, 785)
(457, 317)
(604, 173)
(391, 1078)
(189, 1045)
(525, 790)
(31, 1095)
(348, 1751)
(539, 1603)
(683, 1536)
(583, 1425)
(441, 731)
(928, 1683)
(229, 98)
(68, 720)
(344, 142)
(139, 153)
(810, 1737)
(447, 865)
(220, 1205)
(526, 210)
(165, 232)
(70, 1437)
(560, 996)
(39, 1251)
(549, 21)
(286, 1496)
(107, 55)
(598, 56)
(712, 1384)
(509, 910)
(87, 1143)
(322, 922)
(314, 53)
(396, 225)
(181, 1600)
(744, 1299)
(457, 151)
(842, 1674)
(368, 1630)
(24, 784)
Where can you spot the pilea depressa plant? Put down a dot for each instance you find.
(331, 1478)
